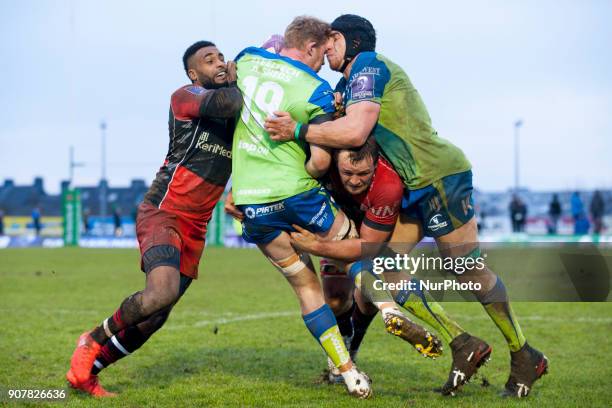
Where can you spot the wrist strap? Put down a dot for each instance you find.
(302, 132)
(296, 133)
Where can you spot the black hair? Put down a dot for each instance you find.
(193, 48)
(357, 154)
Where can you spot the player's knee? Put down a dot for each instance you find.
(339, 303)
(160, 295)
(155, 322)
(291, 265)
(347, 230)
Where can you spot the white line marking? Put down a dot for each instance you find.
(254, 316)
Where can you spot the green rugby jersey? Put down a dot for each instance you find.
(263, 170)
(404, 131)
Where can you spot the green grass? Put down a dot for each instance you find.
(207, 356)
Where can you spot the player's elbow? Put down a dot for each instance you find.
(224, 103)
(235, 102)
(317, 166)
(358, 136)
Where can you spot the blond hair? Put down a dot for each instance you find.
(304, 29)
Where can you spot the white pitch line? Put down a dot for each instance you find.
(267, 315)
(254, 316)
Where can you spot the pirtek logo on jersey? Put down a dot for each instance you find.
(261, 211)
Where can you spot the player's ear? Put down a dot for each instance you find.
(192, 75)
(310, 47)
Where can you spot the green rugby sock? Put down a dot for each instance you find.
(422, 305)
(498, 307)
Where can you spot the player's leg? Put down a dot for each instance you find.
(338, 293)
(130, 339)
(160, 243)
(527, 363)
(363, 314)
(318, 316)
(458, 238)
(160, 291)
(407, 233)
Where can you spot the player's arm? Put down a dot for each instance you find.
(321, 109)
(349, 131)
(319, 161)
(347, 250)
(194, 102)
(369, 77)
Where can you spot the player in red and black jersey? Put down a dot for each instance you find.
(172, 219)
(370, 191)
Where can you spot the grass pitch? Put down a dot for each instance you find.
(237, 339)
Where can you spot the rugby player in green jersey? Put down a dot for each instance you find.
(274, 184)
(380, 99)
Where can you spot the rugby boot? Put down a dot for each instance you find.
(469, 354)
(91, 386)
(83, 357)
(358, 384)
(526, 367)
(424, 342)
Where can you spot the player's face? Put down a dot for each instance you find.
(336, 47)
(316, 56)
(208, 68)
(355, 177)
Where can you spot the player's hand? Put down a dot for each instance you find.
(339, 105)
(231, 208)
(304, 240)
(338, 101)
(280, 126)
(232, 76)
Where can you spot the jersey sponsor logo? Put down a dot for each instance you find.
(320, 217)
(272, 69)
(383, 211)
(249, 212)
(362, 86)
(253, 191)
(196, 90)
(435, 223)
(213, 148)
(252, 212)
(253, 148)
(434, 204)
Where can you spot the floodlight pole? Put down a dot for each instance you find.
(103, 170)
(517, 126)
(72, 165)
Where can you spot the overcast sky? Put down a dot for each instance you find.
(479, 66)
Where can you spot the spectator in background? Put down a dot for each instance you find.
(36, 220)
(86, 221)
(554, 211)
(597, 211)
(522, 215)
(518, 214)
(1, 222)
(117, 221)
(577, 206)
(581, 223)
